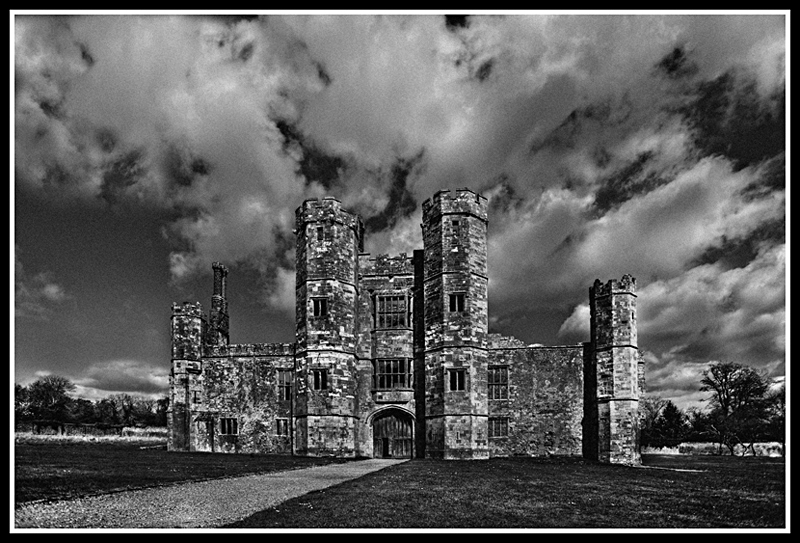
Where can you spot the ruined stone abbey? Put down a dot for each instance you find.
(392, 358)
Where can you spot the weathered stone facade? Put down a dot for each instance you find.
(392, 358)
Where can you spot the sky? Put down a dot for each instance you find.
(147, 147)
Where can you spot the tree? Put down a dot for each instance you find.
(82, 411)
(670, 427)
(49, 398)
(650, 409)
(162, 406)
(739, 407)
(22, 404)
(776, 401)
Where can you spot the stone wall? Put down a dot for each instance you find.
(545, 400)
(244, 388)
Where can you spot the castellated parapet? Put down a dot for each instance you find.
(392, 357)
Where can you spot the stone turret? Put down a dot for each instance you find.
(329, 240)
(188, 329)
(616, 362)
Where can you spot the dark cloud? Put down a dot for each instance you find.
(121, 175)
(771, 179)
(86, 55)
(631, 180)
(401, 202)
(246, 52)
(484, 70)
(454, 22)
(731, 119)
(739, 252)
(677, 64)
(315, 165)
(324, 76)
(106, 139)
(182, 168)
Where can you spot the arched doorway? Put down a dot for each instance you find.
(392, 434)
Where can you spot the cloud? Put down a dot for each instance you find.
(649, 145)
(101, 379)
(35, 297)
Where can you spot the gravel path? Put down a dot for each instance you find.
(191, 505)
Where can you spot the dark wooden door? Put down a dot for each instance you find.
(392, 435)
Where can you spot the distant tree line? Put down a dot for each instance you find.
(49, 400)
(743, 408)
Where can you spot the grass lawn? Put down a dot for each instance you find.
(57, 469)
(535, 493)
(721, 492)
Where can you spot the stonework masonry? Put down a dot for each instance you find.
(392, 358)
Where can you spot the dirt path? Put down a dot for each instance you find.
(191, 505)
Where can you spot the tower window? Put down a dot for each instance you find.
(497, 381)
(228, 426)
(457, 302)
(458, 379)
(320, 306)
(498, 427)
(391, 373)
(320, 379)
(284, 384)
(282, 427)
(195, 396)
(320, 233)
(391, 312)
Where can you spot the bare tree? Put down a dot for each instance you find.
(738, 403)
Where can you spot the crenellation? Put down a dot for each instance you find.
(393, 357)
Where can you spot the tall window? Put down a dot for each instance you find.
(195, 396)
(320, 306)
(320, 233)
(282, 427)
(228, 426)
(320, 379)
(284, 384)
(498, 427)
(391, 312)
(457, 301)
(497, 380)
(392, 373)
(458, 379)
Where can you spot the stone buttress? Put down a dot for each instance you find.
(454, 231)
(329, 241)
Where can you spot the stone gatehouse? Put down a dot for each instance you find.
(392, 358)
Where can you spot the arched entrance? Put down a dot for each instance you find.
(392, 434)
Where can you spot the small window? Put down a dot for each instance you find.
(282, 427)
(458, 379)
(497, 381)
(284, 384)
(320, 379)
(195, 396)
(320, 307)
(391, 373)
(320, 233)
(457, 302)
(456, 237)
(498, 427)
(228, 426)
(391, 311)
